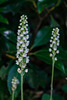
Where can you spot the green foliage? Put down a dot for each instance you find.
(43, 16)
(57, 96)
(42, 36)
(35, 77)
(13, 73)
(43, 54)
(64, 88)
(3, 20)
(45, 97)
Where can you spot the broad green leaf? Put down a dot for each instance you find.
(46, 97)
(64, 88)
(43, 36)
(10, 36)
(2, 9)
(13, 73)
(54, 23)
(2, 30)
(4, 70)
(43, 55)
(3, 1)
(35, 77)
(58, 97)
(42, 4)
(3, 19)
(63, 54)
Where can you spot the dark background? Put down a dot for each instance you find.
(43, 16)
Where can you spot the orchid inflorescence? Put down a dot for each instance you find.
(54, 43)
(22, 45)
(14, 82)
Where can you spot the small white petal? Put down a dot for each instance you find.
(51, 45)
(50, 40)
(50, 55)
(50, 49)
(55, 58)
(26, 70)
(19, 71)
(54, 42)
(57, 51)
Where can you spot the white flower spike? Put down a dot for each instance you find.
(14, 82)
(54, 43)
(22, 45)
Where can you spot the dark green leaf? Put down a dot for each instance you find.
(10, 36)
(46, 97)
(43, 36)
(64, 88)
(57, 97)
(43, 55)
(13, 73)
(4, 70)
(3, 20)
(45, 3)
(54, 23)
(3, 1)
(41, 77)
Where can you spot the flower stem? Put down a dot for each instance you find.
(53, 62)
(13, 95)
(21, 86)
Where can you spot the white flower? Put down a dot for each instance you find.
(50, 55)
(22, 29)
(27, 37)
(26, 70)
(54, 42)
(55, 58)
(19, 71)
(50, 40)
(20, 59)
(50, 49)
(23, 45)
(24, 55)
(57, 51)
(17, 62)
(51, 37)
(21, 35)
(27, 50)
(21, 42)
(51, 45)
(57, 44)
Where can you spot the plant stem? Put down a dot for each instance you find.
(53, 61)
(13, 95)
(21, 86)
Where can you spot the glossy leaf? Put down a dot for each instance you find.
(45, 3)
(64, 88)
(46, 97)
(43, 55)
(3, 19)
(3, 1)
(35, 77)
(4, 70)
(56, 96)
(54, 23)
(43, 36)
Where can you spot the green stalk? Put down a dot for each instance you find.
(13, 95)
(53, 62)
(21, 86)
